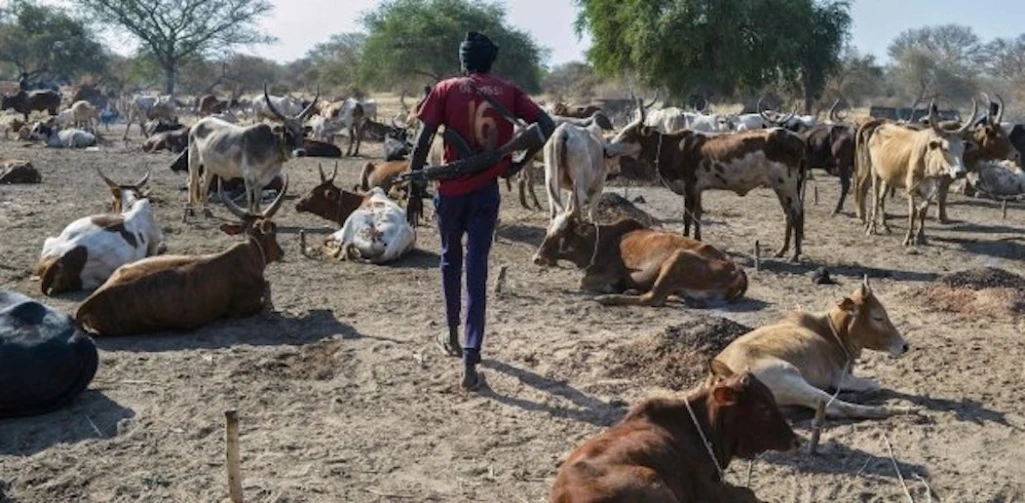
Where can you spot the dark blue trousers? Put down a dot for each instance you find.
(473, 215)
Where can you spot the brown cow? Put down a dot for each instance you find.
(658, 452)
(210, 104)
(382, 175)
(576, 111)
(328, 201)
(627, 256)
(185, 292)
(25, 102)
(175, 141)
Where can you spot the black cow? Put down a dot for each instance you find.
(1017, 136)
(830, 147)
(25, 102)
(45, 360)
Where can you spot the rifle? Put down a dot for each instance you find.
(526, 138)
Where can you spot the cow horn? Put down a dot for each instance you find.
(786, 119)
(142, 181)
(1000, 112)
(309, 108)
(110, 183)
(864, 282)
(989, 108)
(933, 118)
(832, 110)
(228, 203)
(975, 109)
(640, 108)
(320, 168)
(334, 173)
(276, 204)
(653, 100)
(270, 105)
(761, 111)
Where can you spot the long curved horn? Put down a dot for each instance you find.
(762, 112)
(110, 183)
(309, 108)
(320, 168)
(975, 109)
(832, 110)
(142, 181)
(228, 203)
(275, 205)
(653, 100)
(640, 106)
(787, 118)
(270, 105)
(989, 108)
(1000, 112)
(334, 173)
(402, 100)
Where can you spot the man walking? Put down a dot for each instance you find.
(474, 107)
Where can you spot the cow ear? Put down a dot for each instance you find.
(232, 228)
(719, 369)
(848, 305)
(724, 395)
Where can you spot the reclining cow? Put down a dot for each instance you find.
(56, 137)
(376, 232)
(186, 292)
(628, 256)
(328, 201)
(89, 249)
(45, 361)
(805, 354)
(176, 142)
(675, 450)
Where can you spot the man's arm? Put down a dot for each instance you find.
(527, 110)
(418, 185)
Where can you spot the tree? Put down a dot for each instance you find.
(937, 61)
(573, 79)
(710, 46)
(408, 40)
(857, 79)
(176, 32)
(335, 63)
(47, 41)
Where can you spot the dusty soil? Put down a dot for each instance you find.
(343, 397)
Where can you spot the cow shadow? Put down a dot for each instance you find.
(591, 410)
(418, 258)
(90, 416)
(837, 458)
(849, 271)
(1005, 248)
(521, 233)
(965, 409)
(982, 228)
(272, 329)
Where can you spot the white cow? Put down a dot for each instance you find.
(377, 232)
(142, 108)
(55, 137)
(577, 159)
(286, 105)
(672, 119)
(89, 249)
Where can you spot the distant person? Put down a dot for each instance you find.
(468, 205)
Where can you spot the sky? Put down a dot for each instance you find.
(876, 22)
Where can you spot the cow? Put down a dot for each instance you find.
(689, 162)
(284, 105)
(350, 114)
(55, 137)
(94, 96)
(83, 114)
(1016, 134)
(577, 159)
(381, 175)
(672, 119)
(209, 105)
(997, 179)
(89, 249)
(316, 148)
(377, 232)
(162, 126)
(805, 354)
(143, 108)
(675, 450)
(175, 141)
(47, 362)
(376, 131)
(396, 145)
(328, 201)
(186, 292)
(577, 111)
(254, 153)
(626, 255)
(14, 171)
(26, 102)
(830, 147)
(897, 156)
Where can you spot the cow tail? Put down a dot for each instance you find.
(48, 270)
(364, 176)
(862, 167)
(555, 160)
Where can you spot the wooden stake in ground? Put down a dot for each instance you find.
(815, 193)
(758, 257)
(500, 280)
(1003, 209)
(302, 242)
(816, 426)
(231, 446)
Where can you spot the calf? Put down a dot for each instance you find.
(186, 292)
(674, 450)
(628, 256)
(46, 361)
(578, 159)
(175, 141)
(55, 137)
(376, 232)
(328, 201)
(805, 354)
(316, 148)
(89, 249)
(84, 113)
(381, 175)
(18, 171)
(688, 163)
(25, 102)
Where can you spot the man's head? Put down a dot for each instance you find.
(477, 53)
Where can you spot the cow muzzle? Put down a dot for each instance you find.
(542, 261)
(899, 348)
(299, 152)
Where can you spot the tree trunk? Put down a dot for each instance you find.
(170, 72)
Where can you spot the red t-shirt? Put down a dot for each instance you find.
(455, 105)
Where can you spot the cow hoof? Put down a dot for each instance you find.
(887, 230)
(796, 258)
(780, 253)
(944, 220)
(921, 239)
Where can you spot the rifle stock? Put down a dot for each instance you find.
(526, 138)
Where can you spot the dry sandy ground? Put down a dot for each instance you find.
(342, 396)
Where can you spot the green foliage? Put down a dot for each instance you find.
(335, 63)
(414, 41)
(713, 46)
(46, 40)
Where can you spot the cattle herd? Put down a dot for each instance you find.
(664, 449)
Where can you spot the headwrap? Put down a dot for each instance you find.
(477, 52)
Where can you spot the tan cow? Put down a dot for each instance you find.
(382, 175)
(805, 354)
(628, 256)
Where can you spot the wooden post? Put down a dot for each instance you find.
(815, 193)
(1003, 209)
(231, 446)
(302, 242)
(758, 257)
(816, 426)
(500, 280)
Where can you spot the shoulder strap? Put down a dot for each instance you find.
(504, 112)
